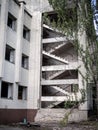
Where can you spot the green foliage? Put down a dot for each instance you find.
(64, 121)
(83, 93)
(70, 104)
(66, 20)
(72, 20)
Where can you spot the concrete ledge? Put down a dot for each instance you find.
(78, 115)
(56, 115)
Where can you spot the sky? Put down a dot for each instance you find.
(95, 17)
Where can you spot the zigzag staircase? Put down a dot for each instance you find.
(56, 73)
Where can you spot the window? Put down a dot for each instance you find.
(11, 21)
(7, 90)
(22, 92)
(10, 54)
(25, 61)
(26, 33)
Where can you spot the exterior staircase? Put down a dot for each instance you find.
(57, 70)
(61, 90)
(57, 47)
(55, 57)
(56, 74)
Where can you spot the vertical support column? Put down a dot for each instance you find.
(19, 43)
(3, 30)
(15, 91)
(82, 69)
(35, 62)
(81, 81)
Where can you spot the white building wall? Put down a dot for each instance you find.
(9, 72)
(27, 20)
(13, 8)
(26, 47)
(18, 57)
(11, 37)
(38, 5)
(3, 25)
(12, 104)
(24, 77)
(15, 40)
(35, 62)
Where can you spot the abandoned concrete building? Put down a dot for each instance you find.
(38, 66)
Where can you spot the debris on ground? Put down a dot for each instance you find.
(87, 125)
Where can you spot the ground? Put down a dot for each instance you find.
(54, 126)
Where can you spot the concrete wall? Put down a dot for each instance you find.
(13, 8)
(56, 115)
(38, 5)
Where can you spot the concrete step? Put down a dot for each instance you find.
(57, 47)
(54, 104)
(56, 74)
(61, 90)
(55, 57)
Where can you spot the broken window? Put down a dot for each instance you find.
(22, 92)
(6, 90)
(11, 21)
(25, 61)
(26, 33)
(10, 54)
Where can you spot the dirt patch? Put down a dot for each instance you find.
(56, 126)
(88, 125)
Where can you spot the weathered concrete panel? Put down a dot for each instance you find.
(9, 72)
(13, 8)
(11, 37)
(27, 20)
(56, 115)
(25, 47)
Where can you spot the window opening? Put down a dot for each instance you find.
(11, 22)
(25, 61)
(6, 90)
(26, 33)
(10, 54)
(22, 92)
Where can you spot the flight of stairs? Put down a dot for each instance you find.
(55, 57)
(56, 74)
(50, 54)
(57, 47)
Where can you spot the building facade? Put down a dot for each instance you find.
(38, 65)
(20, 41)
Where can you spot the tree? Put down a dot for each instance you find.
(73, 18)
